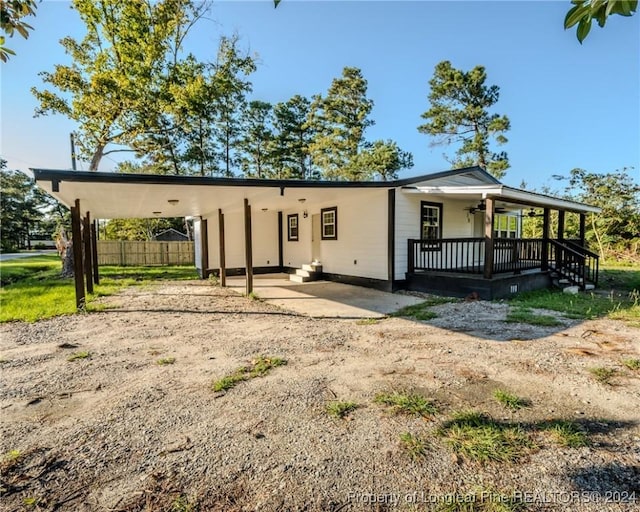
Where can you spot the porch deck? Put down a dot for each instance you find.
(495, 268)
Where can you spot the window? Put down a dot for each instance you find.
(506, 226)
(292, 227)
(430, 224)
(329, 217)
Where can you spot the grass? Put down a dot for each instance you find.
(76, 356)
(632, 364)
(481, 500)
(407, 403)
(341, 409)
(479, 438)
(417, 311)
(166, 360)
(510, 400)
(522, 315)
(617, 297)
(367, 321)
(414, 446)
(254, 296)
(32, 288)
(566, 433)
(259, 367)
(603, 374)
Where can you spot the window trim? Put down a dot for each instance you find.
(333, 209)
(291, 237)
(435, 245)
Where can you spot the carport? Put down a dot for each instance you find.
(101, 195)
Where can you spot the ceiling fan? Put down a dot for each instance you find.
(532, 213)
(482, 206)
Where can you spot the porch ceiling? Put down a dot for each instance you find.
(507, 195)
(124, 199)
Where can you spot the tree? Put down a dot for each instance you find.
(11, 14)
(141, 229)
(255, 143)
(231, 71)
(24, 209)
(617, 227)
(117, 71)
(459, 114)
(293, 135)
(584, 12)
(339, 121)
(382, 159)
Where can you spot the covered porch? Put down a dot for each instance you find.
(499, 264)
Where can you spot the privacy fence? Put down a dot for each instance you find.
(129, 253)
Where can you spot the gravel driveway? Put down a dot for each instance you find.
(118, 431)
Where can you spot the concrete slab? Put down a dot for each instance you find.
(324, 299)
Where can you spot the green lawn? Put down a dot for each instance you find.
(617, 296)
(32, 289)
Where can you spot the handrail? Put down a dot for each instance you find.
(581, 248)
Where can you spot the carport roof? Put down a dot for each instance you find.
(110, 195)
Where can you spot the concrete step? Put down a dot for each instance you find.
(299, 279)
(589, 287)
(312, 267)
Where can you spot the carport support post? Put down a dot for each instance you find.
(223, 271)
(204, 247)
(94, 251)
(88, 257)
(488, 238)
(561, 224)
(76, 234)
(248, 249)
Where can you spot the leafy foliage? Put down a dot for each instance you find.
(459, 114)
(140, 229)
(584, 12)
(11, 14)
(25, 210)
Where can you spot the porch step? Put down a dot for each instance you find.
(307, 273)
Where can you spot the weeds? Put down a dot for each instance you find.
(166, 360)
(259, 367)
(566, 433)
(182, 504)
(367, 321)
(79, 355)
(632, 364)
(509, 400)
(407, 403)
(481, 500)
(254, 296)
(415, 446)
(417, 311)
(526, 316)
(602, 374)
(341, 409)
(478, 437)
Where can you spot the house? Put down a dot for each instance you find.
(454, 232)
(171, 235)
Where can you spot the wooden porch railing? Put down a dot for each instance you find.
(510, 255)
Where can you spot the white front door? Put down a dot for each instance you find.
(315, 237)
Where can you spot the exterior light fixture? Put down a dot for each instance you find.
(301, 200)
(265, 209)
(173, 202)
(305, 214)
(157, 213)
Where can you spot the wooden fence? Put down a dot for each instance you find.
(130, 253)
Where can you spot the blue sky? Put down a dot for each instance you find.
(570, 105)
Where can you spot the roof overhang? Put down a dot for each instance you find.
(112, 196)
(506, 194)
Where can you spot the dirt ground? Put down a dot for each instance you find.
(119, 432)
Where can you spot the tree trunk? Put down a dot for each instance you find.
(65, 250)
(95, 159)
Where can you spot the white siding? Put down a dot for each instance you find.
(264, 228)
(360, 250)
(456, 222)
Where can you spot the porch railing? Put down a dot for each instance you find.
(510, 255)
